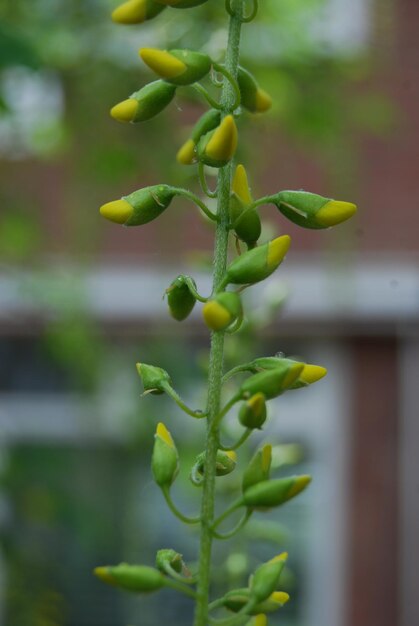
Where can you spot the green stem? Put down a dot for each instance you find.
(183, 518)
(198, 414)
(217, 338)
(236, 505)
(191, 196)
(245, 436)
(174, 584)
(240, 524)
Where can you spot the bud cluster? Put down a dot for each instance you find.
(213, 142)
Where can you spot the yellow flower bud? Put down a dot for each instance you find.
(136, 11)
(271, 493)
(310, 210)
(218, 147)
(180, 67)
(165, 458)
(246, 221)
(259, 263)
(222, 311)
(140, 578)
(207, 122)
(265, 580)
(259, 467)
(146, 103)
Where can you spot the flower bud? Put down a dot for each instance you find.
(179, 298)
(272, 383)
(165, 458)
(155, 379)
(136, 11)
(207, 122)
(259, 468)
(253, 98)
(259, 620)
(181, 4)
(218, 147)
(139, 207)
(270, 493)
(310, 210)
(226, 461)
(252, 413)
(131, 577)
(179, 67)
(222, 311)
(259, 263)
(247, 224)
(310, 373)
(266, 578)
(171, 558)
(235, 599)
(146, 103)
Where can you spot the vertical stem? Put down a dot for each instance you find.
(217, 338)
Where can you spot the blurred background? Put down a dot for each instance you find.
(81, 302)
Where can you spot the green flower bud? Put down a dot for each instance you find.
(155, 379)
(179, 298)
(179, 67)
(266, 578)
(310, 210)
(310, 373)
(226, 461)
(259, 468)
(253, 98)
(259, 263)
(140, 207)
(145, 103)
(272, 383)
(252, 413)
(136, 11)
(207, 122)
(181, 4)
(165, 458)
(270, 493)
(222, 311)
(235, 599)
(171, 558)
(218, 147)
(131, 577)
(247, 224)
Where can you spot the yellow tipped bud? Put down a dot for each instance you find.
(164, 434)
(136, 11)
(165, 459)
(186, 154)
(280, 596)
(300, 483)
(266, 458)
(118, 211)
(310, 210)
(263, 101)
(334, 212)
(215, 315)
(125, 111)
(241, 185)
(279, 557)
(312, 373)
(131, 12)
(223, 143)
(277, 249)
(232, 455)
(163, 63)
(104, 575)
(260, 620)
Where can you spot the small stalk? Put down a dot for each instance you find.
(217, 338)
